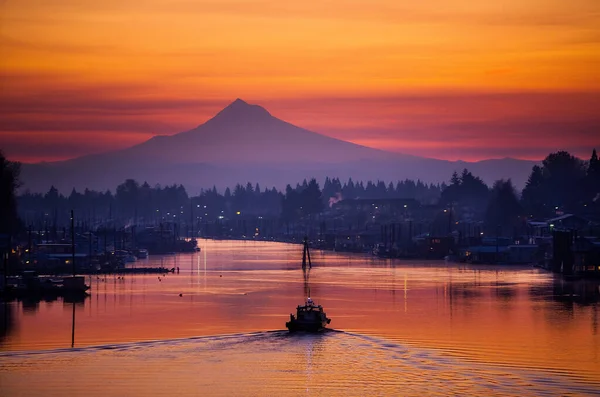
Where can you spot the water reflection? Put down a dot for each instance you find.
(568, 292)
(506, 292)
(73, 326)
(507, 315)
(31, 305)
(7, 320)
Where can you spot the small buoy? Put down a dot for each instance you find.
(180, 295)
(220, 275)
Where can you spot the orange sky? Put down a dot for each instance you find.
(439, 78)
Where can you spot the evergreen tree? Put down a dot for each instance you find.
(503, 210)
(558, 183)
(532, 196)
(592, 183)
(9, 183)
(594, 166)
(466, 190)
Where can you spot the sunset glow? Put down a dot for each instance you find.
(451, 79)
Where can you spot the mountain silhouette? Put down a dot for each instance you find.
(242, 143)
(242, 134)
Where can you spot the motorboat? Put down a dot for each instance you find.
(310, 317)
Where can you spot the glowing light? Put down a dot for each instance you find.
(237, 213)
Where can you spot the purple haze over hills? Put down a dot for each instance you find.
(244, 143)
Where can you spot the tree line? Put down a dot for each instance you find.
(561, 184)
(133, 202)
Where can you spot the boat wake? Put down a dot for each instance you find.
(263, 363)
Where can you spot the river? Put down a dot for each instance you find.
(218, 328)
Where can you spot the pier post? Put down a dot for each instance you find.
(73, 241)
(29, 246)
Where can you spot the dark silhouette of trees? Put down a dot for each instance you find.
(532, 197)
(465, 190)
(557, 184)
(503, 213)
(592, 183)
(594, 166)
(9, 182)
(561, 181)
(334, 189)
(303, 201)
(311, 198)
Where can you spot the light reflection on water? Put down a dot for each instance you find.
(417, 328)
(271, 363)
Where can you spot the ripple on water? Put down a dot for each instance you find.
(271, 363)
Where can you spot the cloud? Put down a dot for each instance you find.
(35, 146)
(451, 125)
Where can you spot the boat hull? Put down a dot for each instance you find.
(295, 326)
